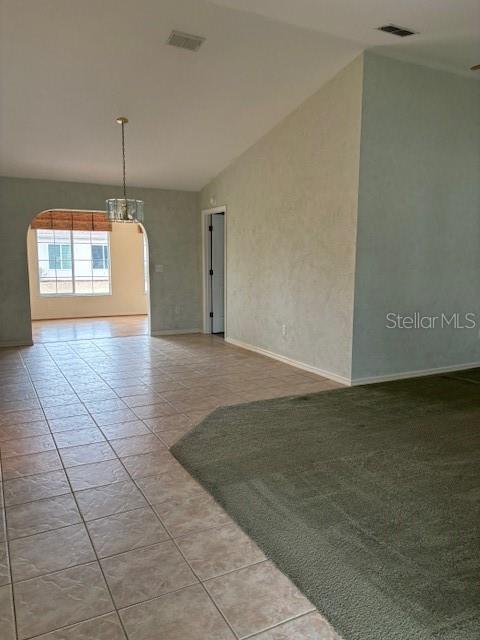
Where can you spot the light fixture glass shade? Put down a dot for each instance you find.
(124, 210)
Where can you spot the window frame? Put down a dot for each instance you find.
(74, 294)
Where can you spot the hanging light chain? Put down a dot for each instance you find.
(123, 209)
(123, 158)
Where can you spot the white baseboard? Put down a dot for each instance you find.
(174, 332)
(357, 381)
(15, 343)
(294, 363)
(414, 374)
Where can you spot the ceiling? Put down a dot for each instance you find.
(448, 30)
(68, 68)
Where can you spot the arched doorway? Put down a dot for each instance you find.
(88, 277)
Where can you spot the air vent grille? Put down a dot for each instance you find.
(185, 40)
(396, 31)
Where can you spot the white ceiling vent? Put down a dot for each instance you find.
(185, 40)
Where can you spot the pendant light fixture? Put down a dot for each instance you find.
(124, 209)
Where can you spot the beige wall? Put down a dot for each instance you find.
(291, 230)
(127, 282)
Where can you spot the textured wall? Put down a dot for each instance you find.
(291, 219)
(419, 216)
(173, 229)
(127, 281)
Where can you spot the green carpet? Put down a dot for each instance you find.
(367, 497)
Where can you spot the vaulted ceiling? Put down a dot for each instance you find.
(448, 30)
(68, 68)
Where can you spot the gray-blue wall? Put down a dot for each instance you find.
(418, 236)
(173, 231)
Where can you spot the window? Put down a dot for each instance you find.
(99, 256)
(59, 256)
(73, 262)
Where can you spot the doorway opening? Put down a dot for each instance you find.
(214, 270)
(88, 277)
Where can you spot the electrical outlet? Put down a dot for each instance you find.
(284, 330)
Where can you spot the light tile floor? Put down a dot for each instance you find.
(88, 328)
(104, 536)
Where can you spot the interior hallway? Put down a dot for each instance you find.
(103, 529)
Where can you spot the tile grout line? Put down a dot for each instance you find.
(108, 384)
(51, 573)
(117, 396)
(140, 419)
(256, 634)
(93, 548)
(202, 583)
(146, 384)
(156, 515)
(15, 620)
(117, 457)
(184, 558)
(73, 624)
(175, 543)
(9, 558)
